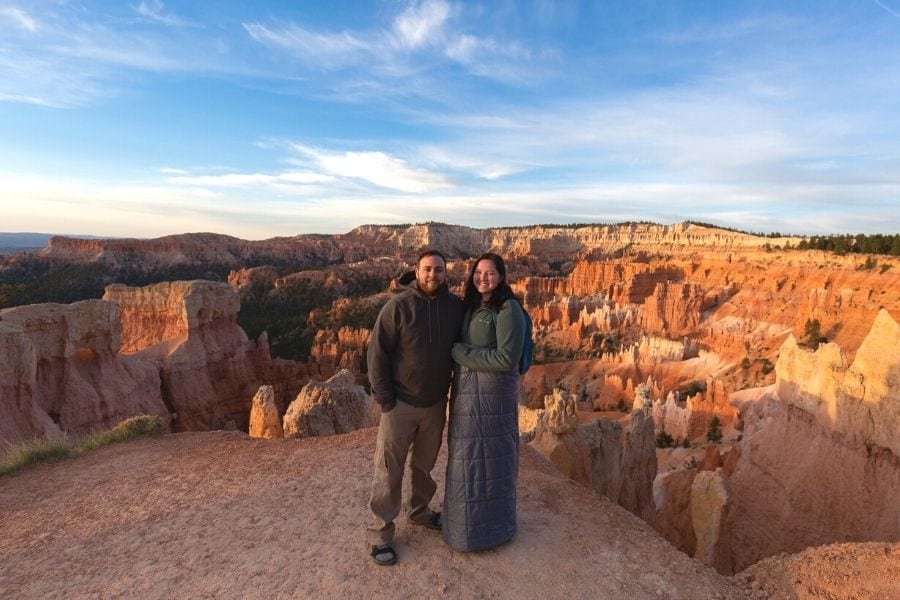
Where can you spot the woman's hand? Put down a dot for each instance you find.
(460, 350)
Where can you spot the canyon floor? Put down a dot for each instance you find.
(221, 515)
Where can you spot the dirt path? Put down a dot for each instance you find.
(220, 515)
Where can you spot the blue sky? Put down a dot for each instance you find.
(148, 118)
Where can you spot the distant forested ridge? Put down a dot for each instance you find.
(877, 243)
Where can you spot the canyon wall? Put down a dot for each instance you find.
(60, 372)
(367, 241)
(820, 459)
(209, 370)
(171, 349)
(817, 461)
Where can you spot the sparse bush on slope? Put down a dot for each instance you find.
(34, 452)
(129, 429)
(53, 449)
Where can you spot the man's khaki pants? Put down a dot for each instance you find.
(404, 430)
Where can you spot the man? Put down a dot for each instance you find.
(410, 369)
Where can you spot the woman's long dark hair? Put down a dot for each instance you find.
(472, 297)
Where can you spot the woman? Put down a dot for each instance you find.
(483, 432)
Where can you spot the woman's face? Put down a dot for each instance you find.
(486, 278)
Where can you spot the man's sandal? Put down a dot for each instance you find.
(384, 555)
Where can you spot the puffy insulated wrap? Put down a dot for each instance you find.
(482, 460)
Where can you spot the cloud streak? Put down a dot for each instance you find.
(19, 17)
(376, 168)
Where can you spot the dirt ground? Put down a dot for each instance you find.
(862, 571)
(221, 515)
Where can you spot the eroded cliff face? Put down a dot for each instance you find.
(799, 484)
(61, 372)
(617, 461)
(817, 462)
(342, 349)
(209, 370)
(820, 459)
(861, 401)
(550, 243)
(170, 311)
(213, 249)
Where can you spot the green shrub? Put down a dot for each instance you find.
(33, 452)
(813, 331)
(51, 450)
(696, 387)
(129, 429)
(714, 433)
(664, 440)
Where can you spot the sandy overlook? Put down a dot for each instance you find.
(220, 515)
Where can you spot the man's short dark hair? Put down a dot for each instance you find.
(431, 253)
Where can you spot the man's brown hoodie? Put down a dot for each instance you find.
(409, 351)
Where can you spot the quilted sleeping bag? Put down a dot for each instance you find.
(482, 460)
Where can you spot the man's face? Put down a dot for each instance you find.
(431, 274)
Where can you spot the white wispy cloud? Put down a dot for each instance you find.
(887, 8)
(324, 50)
(377, 168)
(422, 33)
(82, 56)
(252, 179)
(155, 10)
(421, 24)
(19, 17)
(488, 167)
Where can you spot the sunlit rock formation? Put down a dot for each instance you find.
(210, 371)
(690, 419)
(556, 438)
(327, 408)
(265, 422)
(860, 400)
(60, 372)
(342, 349)
(816, 463)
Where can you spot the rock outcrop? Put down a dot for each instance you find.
(327, 408)
(60, 372)
(209, 369)
(861, 401)
(617, 462)
(623, 462)
(265, 422)
(709, 504)
(817, 462)
(798, 484)
(556, 438)
(342, 349)
(690, 419)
